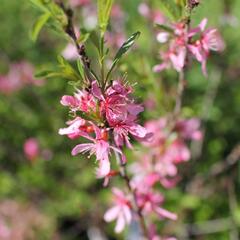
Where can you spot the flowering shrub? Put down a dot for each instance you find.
(130, 124)
(104, 114)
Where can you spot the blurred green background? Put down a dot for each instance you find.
(56, 196)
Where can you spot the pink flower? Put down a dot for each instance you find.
(79, 3)
(176, 152)
(150, 202)
(99, 147)
(5, 231)
(210, 39)
(121, 132)
(153, 15)
(117, 12)
(189, 129)
(77, 128)
(176, 54)
(31, 149)
(81, 101)
(168, 148)
(19, 75)
(120, 112)
(115, 40)
(121, 211)
(70, 51)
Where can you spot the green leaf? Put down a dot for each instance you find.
(181, 3)
(104, 10)
(164, 27)
(83, 36)
(39, 4)
(123, 49)
(47, 73)
(38, 25)
(80, 68)
(67, 70)
(63, 70)
(171, 9)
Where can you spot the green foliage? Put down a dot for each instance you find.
(171, 9)
(41, 21)
(181, 3)
(123, 49)
(63, 187)
(50, 11)
(63, 70)
(104, 10)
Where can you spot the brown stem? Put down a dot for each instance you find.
(180, 90)
(133, 192)
(69, 29)
(138, 210)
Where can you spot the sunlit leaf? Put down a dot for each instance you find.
(38, 25)
(123, 49)
(104, 9)
(171, 9)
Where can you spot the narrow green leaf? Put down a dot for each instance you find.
(181, 3)
(123, 49)
(38, 25)
(171, 9)
(84, 35)
(47, 73)
(104, 10)
(39, 5)
(164, 27)
(80, 68)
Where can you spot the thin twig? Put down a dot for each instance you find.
(205, 228)
(125, 177)
(180, 90)
(233, 205)
(216, 169)
(71, 32)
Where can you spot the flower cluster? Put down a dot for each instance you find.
(79, 3)
(19, 221)
(166, 149)
(181, 40)
(100, 115)
(19, 75)
(153, 15)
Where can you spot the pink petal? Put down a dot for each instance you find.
(104, 167)
(203, 24)
(138, 131)
(164, 213)
(84, 147)
(68, 101)
(96, 91)
(127, 214)
(160, 67)
(111, 214)
(120, 224)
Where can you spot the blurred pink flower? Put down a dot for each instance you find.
(121, 211)
(176, 54)
(153, 15)
(19, 75)
(150, 202)
(210, 39)
(31, 149)
(70, 51)
(79, 3)
(117, 12)
(115, 40)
